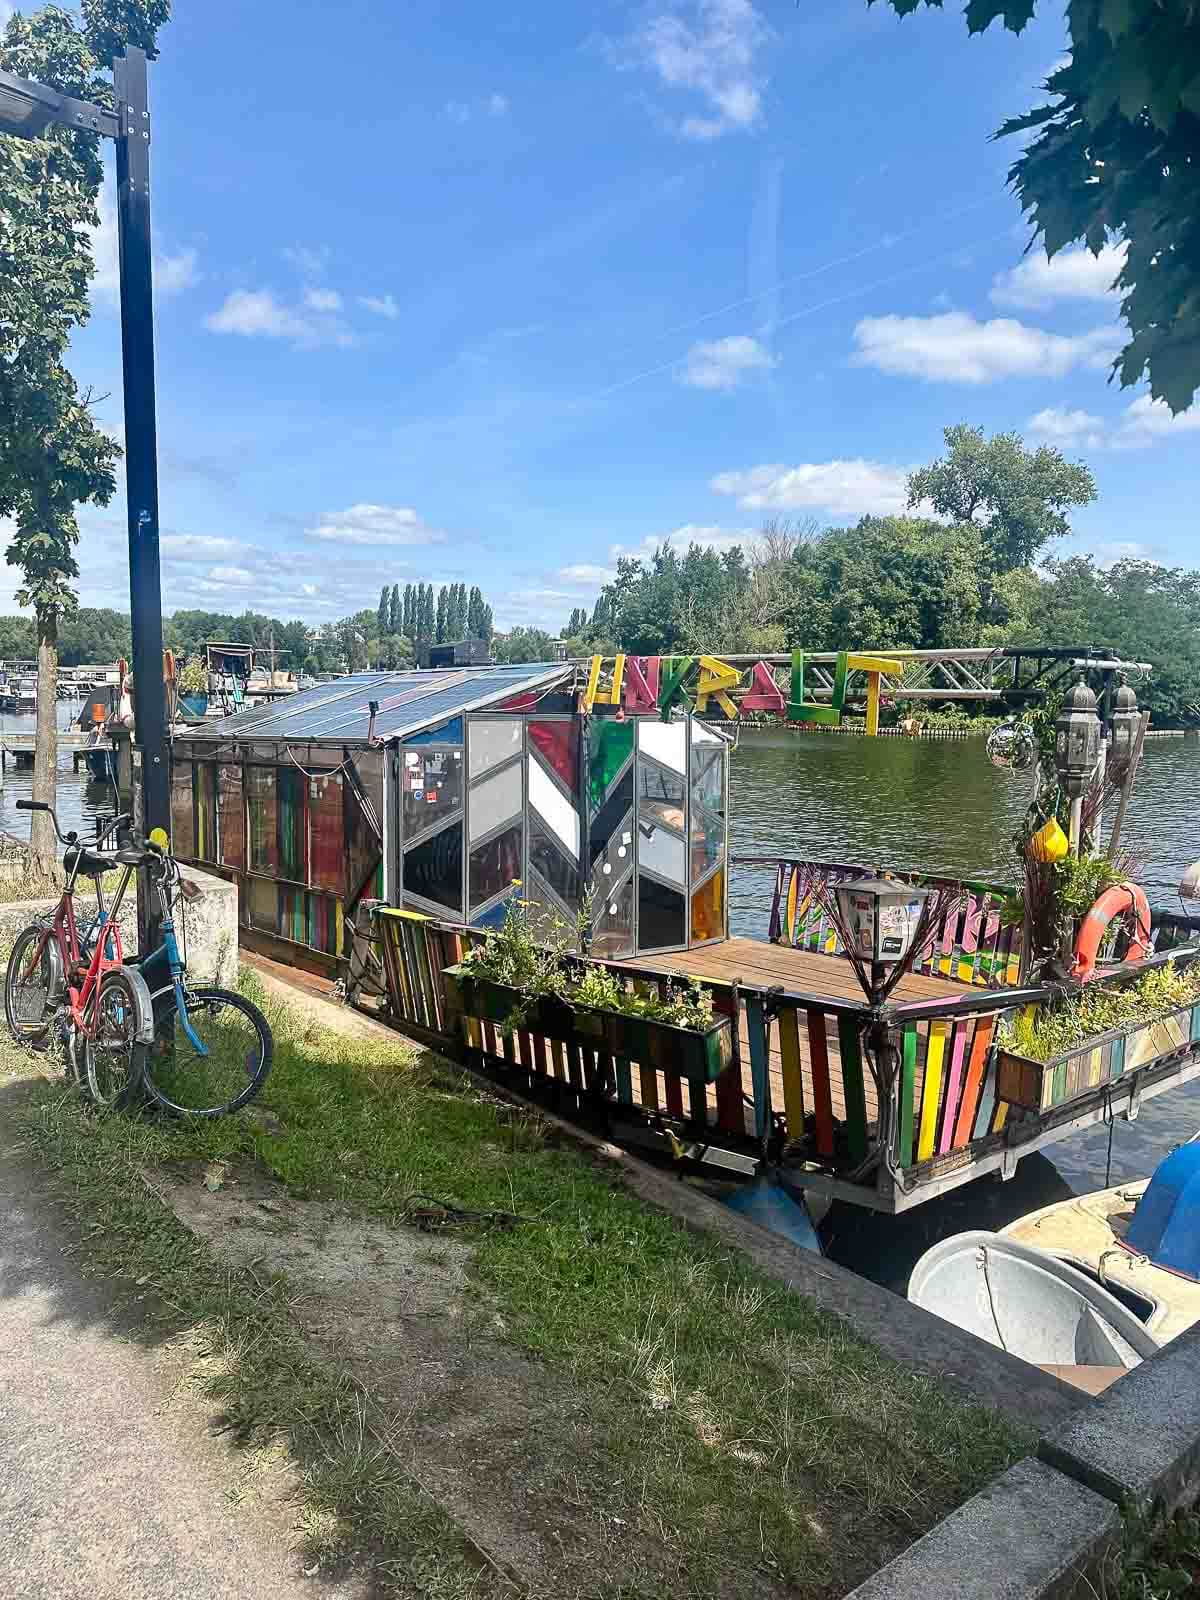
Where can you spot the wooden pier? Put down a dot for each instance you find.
(19, 747)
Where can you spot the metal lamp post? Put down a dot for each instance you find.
(1078, 739)
(27, 109)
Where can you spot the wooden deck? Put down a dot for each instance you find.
(763, 965)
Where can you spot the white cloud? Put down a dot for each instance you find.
(955, 348)
(585, 573)
(196, 546)
(232, 577)
(1058, 426)
(309, 260)
(172, 273)
(322, 300)
(1114, 550)
(383, 305)
(374, 525)
(1076, 274)
(461, 111)
(840, 488)
(257, 313)
(725, 363)
(708, 535)
(496, 105)
(707, 47)
(1146, 421)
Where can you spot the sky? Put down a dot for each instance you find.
(500, 293)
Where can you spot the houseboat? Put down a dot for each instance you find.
(863, 1049)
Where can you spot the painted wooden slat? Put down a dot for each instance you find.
(793, 1081)
(624, 1081)
(818, 1056)
(853, 1087)
(558, 1056)
(1195, 1032)
(698, 1101)
(1095, 1063)
(958, 1050)
(474, 1032)
(987, 1101)
(574, 1066)
(731, 1113)
(974, 1081)
(395, 939)
(908, 1089)
(489, 1039)
(931, 1089)
(539, 1054)
(674, 1095)
(1116, 1065)
(760, 1079)
(508, 1048)
(648, 1079)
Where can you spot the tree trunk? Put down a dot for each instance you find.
(43, 854)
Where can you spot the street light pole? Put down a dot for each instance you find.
(26, 110)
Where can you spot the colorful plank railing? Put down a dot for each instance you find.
(970, 945)
(947, 1090)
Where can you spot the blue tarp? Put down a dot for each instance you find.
(1166, 1222)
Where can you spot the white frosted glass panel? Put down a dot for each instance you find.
(495, 800)
(661, 852)
(701, 735)
(665, 741)
(555, 809)
(492, 741)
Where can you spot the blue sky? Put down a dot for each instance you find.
(496, 292)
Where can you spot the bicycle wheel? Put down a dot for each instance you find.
(238, 1042)
(29, 989)
(113, 1058)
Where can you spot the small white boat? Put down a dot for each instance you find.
(1033, 1305)
(1140, 1263)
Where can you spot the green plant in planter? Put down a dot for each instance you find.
(192, 677)
(1043, 1032)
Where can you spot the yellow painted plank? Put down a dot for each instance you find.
(649, 1087)
(887, 664)
(618, 680)
(872, 705)
(793, 1083)
(931, 1091)
(593, 683)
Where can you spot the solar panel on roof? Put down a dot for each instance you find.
(340, 711)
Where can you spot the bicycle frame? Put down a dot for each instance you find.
(64, 930)
(170, 948)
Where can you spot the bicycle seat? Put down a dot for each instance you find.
(88, 863)
(130, 856)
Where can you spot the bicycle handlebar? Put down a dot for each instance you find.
(72, 837)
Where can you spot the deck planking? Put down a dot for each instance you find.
(802, 972)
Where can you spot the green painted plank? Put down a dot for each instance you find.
(760, 1080)
(841, 672)
(1117, 1064)
(624, 1082)
(908, 1087)
(855, 1091)
(796, 697)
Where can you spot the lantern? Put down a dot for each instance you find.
(1077, 738)
(1126, 720)
(881, 917)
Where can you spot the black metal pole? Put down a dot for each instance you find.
(141, 453)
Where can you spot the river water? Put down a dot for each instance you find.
(939, 805)
(922, 804)
(79, 798)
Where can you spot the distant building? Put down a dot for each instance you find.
(462, 653)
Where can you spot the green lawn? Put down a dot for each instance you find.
(740, 1441)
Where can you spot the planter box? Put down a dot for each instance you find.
(1041, 1085)
(685, 1051)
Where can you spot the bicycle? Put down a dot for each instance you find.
(141, 1056)
(103, 1011)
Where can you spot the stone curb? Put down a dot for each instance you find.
(1031, 1535)
(1138, 1442)
(910, 1336)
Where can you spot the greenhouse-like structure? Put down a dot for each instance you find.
(451, 793)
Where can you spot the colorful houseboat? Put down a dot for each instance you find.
(403, 814)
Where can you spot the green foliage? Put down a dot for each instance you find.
(532, 954)
(524, 644)
(1158, 1556)
(192, 677)
(1116, 154)
(1079, 881)
(1043, 1032)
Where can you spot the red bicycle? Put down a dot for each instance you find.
(58, 981)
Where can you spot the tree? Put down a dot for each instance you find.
(395, 612)
(475, 614)
(53, 457)
(524, 644)
(383, 614)
(440, 625)
(576, 624)
(1116, 156)
(407, 618)
(1018, 498)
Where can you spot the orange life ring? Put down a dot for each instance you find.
(1119, 901)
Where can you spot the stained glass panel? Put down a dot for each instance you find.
(495, 801)
(555, 810)
(232, 817)
(183, 819)
(660, 795)
(495, 865)
(261, 817)
(448, 733)
(613, 817)
(431, 785)
(661, 914)
(433, 869)
(610, 745)
(558, 743)
(293, 824)
(493, 740)
(327, 826)
(206, 811)
(262, 904)
(661, 851)
(362, 808)
(546, 855)
(708, 909)
(665, 742)
(612, 923)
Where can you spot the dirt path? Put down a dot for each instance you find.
(111, 1485)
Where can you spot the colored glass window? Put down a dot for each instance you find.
(433, 869)
(231, 814)
(448, 733)
(612, 922)
(493, 740)
(327, 832)
(431, 785)
(495, 865)
(260, 815)
(546, 858)
(661, 915)
(183, 818)
(708, 909)
(206, 811)
(556, 811)
(660, 795)
(661, 851)
(293, 824)
(362, 802)
(612, 818)
(610, 745)
(262, 904)
(558, 744)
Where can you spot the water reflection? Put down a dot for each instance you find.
(941, 806)
(80, 799)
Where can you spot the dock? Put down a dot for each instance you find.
(19, 747)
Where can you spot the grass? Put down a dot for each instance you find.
(1158, 1558)
(749, 1434)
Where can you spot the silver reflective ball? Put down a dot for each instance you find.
(1012, 747)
